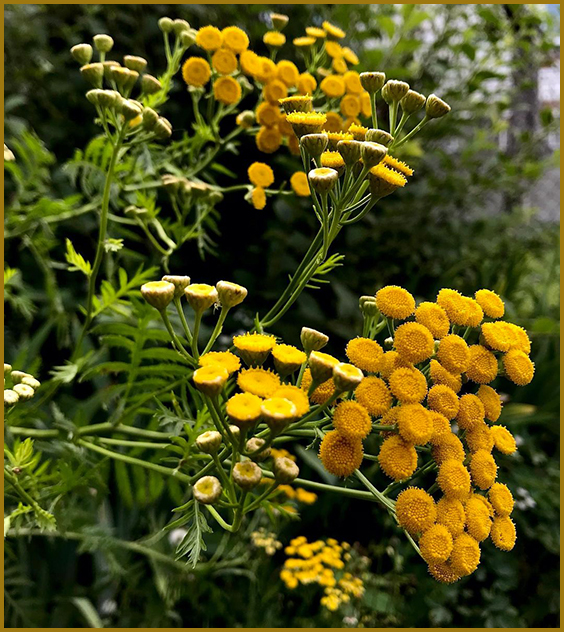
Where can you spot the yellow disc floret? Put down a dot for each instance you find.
(491, 303)
(449, 447)
(227, 359)
(397, 458)
(480, 437)
(395, 302)
(227, 90)
(482, 366)
(444, 573)
(340, 455)
(409, 386)
(503, 440)
(454, 479)
(483, 469)
(209, 38)
(415, 510)
(465, 555)
(518, 367)
(503, 533)
(501, 499)
(415, 424)
(451, 514)
(491, 401)
(224, 61)
(235, 39)
(436, 544)
(478, 521)
(261, 174)
(244, 408)
(374, 395)
(453, 354)
(414, 342)
(433, 317)
(196, 72)
(365, 353)
(352, 420)
(296, 396)
(258, 382)
(444, 400)
(439, 375)
(470, 411)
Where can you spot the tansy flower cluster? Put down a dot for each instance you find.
(262, 539)
(19, 387)
(323, 563)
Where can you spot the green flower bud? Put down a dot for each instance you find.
(150, 118)
(285, 470)
(166, 25)
(247, 475)
(7, 368)
(230, 294)
(235, 431)
(180, 283)
(372, 154)
(322, 180)
(133, 62)
(187, 38)
(350, 151)
(346, 377)
(18, 376)
(368, 307)
(279, 21)
(8, 154)
(389, 343)
(207, 490)
(412, 102)
(93, 96)
(435, 107)
(109, 99)
(209, 441)
(372, 81)
(254, 445)
(130, 110)
(103, 43)
(162, 128)
(93, 73)
(108, 65)
(246, 119)
(11, 398)
(215, 197)
(180, 26)
(201, 296)
(297, 103)
(24, 392)
(159, 294)
(312, 340)
(29, 380)
(82, 53)
(394, 91)
(150, 84)
(379, 136)
(314, 144)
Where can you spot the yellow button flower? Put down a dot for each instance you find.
(415, 510)
(482, 366)
(501, 499)
(483, 469)
(478, 521)
(224, 61)
(503, 440)
(235, 39)
(409, 386)
(432, 316)
(436, 544)
(340, 455)
(226, 359)
(227, 90)
(196, 72)
(443, 400)
(300, 184)
(209, 38)
(333, 86)
(397, 458)
(352, 420)
(454, 479)
(258, 198)
(268, 139)
(260, 174)
(365, 353)
(503, 533)
(470, 411)
(439, 375)
(491, 401)
(453, 354)
(287, 72)
(415, 424)
(395, 302)
(414, 342)
(374, 395)
(451, 514)
(465, 556)
(244, 409)
(491, 303)
(260, 382)
(448, 447)
(518, 367)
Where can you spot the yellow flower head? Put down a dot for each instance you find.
(470, 411)
(352, 83)
(432, 316)
(503, 533)
(518, 367)
(395, 302)
(478, 521)
(444, 573)
(265, 69)
(224, 61)
(483, 469)
(501, 499)
(258, 382)
(415, 424)
(333, 49)
(451, 514)
(296, 396)
(275, 39)
(454, 479)
(480, 437)
(352, 420)
(397, 458)
(491, 401)
(465, 555)
(436, 544)
(439, 375)
(297, 103)
(333, 31)
(482, 367)
(444, 400)
(340, 455)
(227, 90)
(250, 63)
(339, 65)
(503, 336)
(365, 353)
(453, 354)
(503, 440)
(322, 393)
(374, 395)
(235, 39)
(254, 348)
(414, 342)
(275, 90)
(306, 122)
(268, 139)
(287, 72)
(441, 428)
(243, 409)
(300, 184)
(258, 198)
(384, 180)
(350, 107)
(449, 447)
(415, 510)
(304, 496)
(306, 83)
(461, 310)
(357, 130)
(196, 72)
(334, 123)
(226, 359)
(260, 174)
(304, 41)
(287, 358)
(350, 56)
(491, 303)
(406, 170)
(333, 86)
(209, 38)
(333, 160)
(278, 412)
(211, 379)
(391, 360)
(409, 386)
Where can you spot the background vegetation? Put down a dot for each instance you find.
(465, 221)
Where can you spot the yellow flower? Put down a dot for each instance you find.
(373, 394)
(503, 440)
(350, 56)
(287, 72)
(454, 479)
(209, 38)
(415, 510)
(266, 70)
(254, 348)
(409, 386)
(444, 400)
(333, 49)
(491, 401)
(340, 455)
(395, 302)
(352, 420)
(483, 469)
(268, 114)
(258, 198)
(478, 521)
(296, 396)
(304, 496)
(480, 437)
(306, 122)
(268, 139)
(260, 174)
(503, 533)
(397, 458)
(350, 105)
(299, 184)
(304, 42)
(449, 447)
(384, 180)
(432, 316)
(501, 499)
(274, 39)
(333, 160)
(503, 336)
(465, 555)
(453, 354)
(297, 103)
(278, 412)
(227, 90)
(339, 65)
(451, 514)
(439, 375)
(470, 411)
(333, 86)
(333, 31)
(357, 130)
(224, 61)
(244, 409)
(491, 303)
(226, 359)
(365, 104)
(444, 573)
(306, 83)
(235, 38)
(441, 428)
(322, 393)
(335, 137)
(211, 379)
(391, 360)
(334, 123)
(406, 170)
(352, 83)
(275, 90)
(436, 544)
(414, 342)
(196, 72)
(258, 382)
(287, 358)
(461, 310)
(518, 367)
(365, 353)
(313, 31)
(415, 424)
(250, 63)
(482, 367)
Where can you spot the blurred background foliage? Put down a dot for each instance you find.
(473, 216)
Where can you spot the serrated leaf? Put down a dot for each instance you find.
(193, 542)
(77, 263)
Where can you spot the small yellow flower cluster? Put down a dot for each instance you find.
(22, 389)
(262, 539)
(322, 563)
(261, 177)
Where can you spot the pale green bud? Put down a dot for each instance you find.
(31, 381)
(350, 151)
(279, 21)
(379, 136)
(435, 107)
(180, 26)
(322, 180)
(230, 294)
(82, 53)
(24, 391)
(130, 110)
(372, 154)
(312, 340)
(207, 490)
(150, 84)
(394, 91)
(247, 475)
(180, 283)
(162, 128)
(201, 296)
(346, 377)
(11, 398)
(209, 441)
(108, 65)
(7, 368)
(166, 25)
(254, 445)
(150, 118)
(372, 81)
(103, 43)
(93, 73)
(187, 38)
(133, 62)
(314, 144)
(285, 470)
(412, 102)
(159, 294)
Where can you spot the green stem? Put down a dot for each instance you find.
(185, 326)
(217, 329)
(389, 504)
(197, 321)
(176, 341)
(134, 444)
(257, 501)
(414, 131)
(219, 519)
(374, 111)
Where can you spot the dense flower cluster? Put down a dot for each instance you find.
(21, 386)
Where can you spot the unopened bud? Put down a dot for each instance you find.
(389, 343)
(180, 26)
(372, 81)
(215, 197)
(379, 136)
(322, 180)
(350, 151)
(150, 118)
(10, 397)
(394, 91)
(253, 449)
(247, 475)
(230, 294)
(187, 38)
(368, 307)
(93, 73)
(29, 380)
(109, 98)
(103, 43)
(321, 366)
(82, 53)
(108, 66)
(279, 21)
(235, 431)
(180, 283)
(93, 96)
(412, 102)
(133, 62)
(435, 107)
(246, 119)
(162, 128)
(166, 25)
(24, 391)
(285, 470)
(7, 368)
(312, 340)
(210, 379)
(346, 377)
(159, 294)
(18, 376)
(150, 84)
(372, 154)
(201, 296)
(209, 441)
(314, 144)
(130, 110)
(207, 490)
